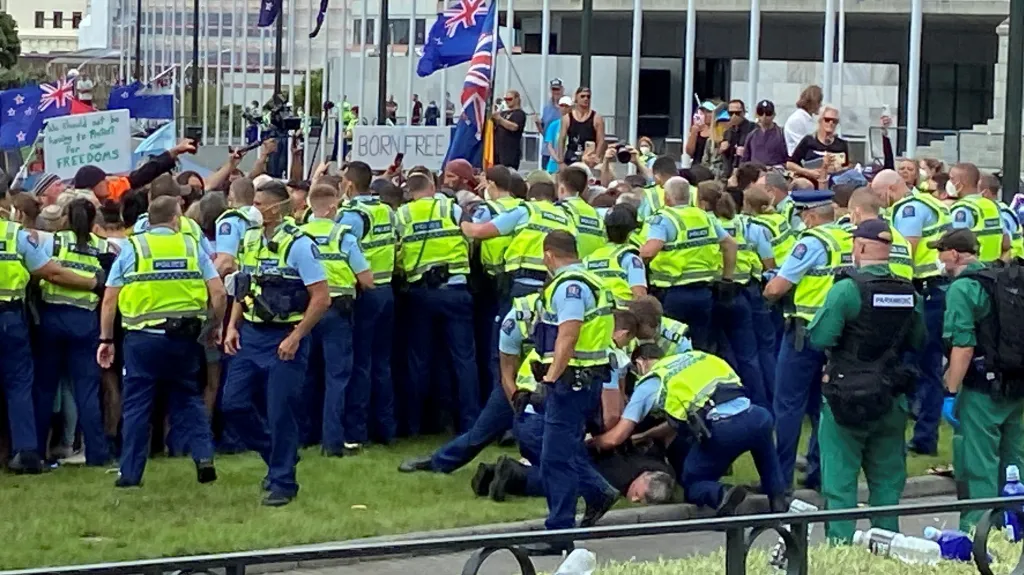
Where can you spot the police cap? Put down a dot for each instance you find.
(810, 199)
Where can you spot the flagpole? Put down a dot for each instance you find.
(410, 74)
(382, 65)
(545, 35)
(291, 77)
(138, 39)
(754, 54)
(308, 97)
(325, 86)
(121, 40)
(243, 58)
(828, 57)
(362, 58)
(510, 21)
(342, 69)
(842, 57)
(688, 63)
(194, 104)
(234, 77)
(634, 72)
(261, 69)
(278, 51)
(181, 70)
(166, 54)
(206, 68)
(219, 94)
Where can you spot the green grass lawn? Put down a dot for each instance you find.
(75, 515)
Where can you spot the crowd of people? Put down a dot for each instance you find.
(629, 335)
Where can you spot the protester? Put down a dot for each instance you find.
(508, 131)
(733, 144)
(766, 142)
(819, 155)
(582, 131)
(551, 133)
(701, 131)
(801, 122)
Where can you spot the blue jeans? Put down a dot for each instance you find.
(371, 387)
(17, 375)
(797, 394)
(731, 437)
(71, 335)
(735, 330)
(450, 308)
(257, 367)
(565, 466)
(331, 353)
(151, 362)
(494, 420)
(529, 433)
(764, 334)
(930, 392)
(691, 304)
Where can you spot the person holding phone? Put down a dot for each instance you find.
(581, 125)
(700, 132)
(508, 131)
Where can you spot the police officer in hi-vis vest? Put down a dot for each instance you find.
(280, 295)
(164, 286)
(975, 212)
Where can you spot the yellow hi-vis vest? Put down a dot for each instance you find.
(746, 257)
(524, 376)
(378, 241)
(693, 256)
(526, 251)
(670, 335)
(780, 234)
(83, 262)
(655, 197)
(1017, 234)
(240, 214)
(14, 275)
(810, 292)
(987, 227)
(256, 258)
(187, 226)
(605, 263)
(327, 236)
(589, 225)
(527, 312)
(689, 380)
(926, 259)
(595, 339)
(430, 237)
(901, 260)
(165, 283)
(492, 251)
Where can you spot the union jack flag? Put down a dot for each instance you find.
(463, 15)
(59, 94)
(477, 85)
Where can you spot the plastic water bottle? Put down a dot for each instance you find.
(778, 558)
(579, 562)
(1012, 488)
(955, 545)
(911, 550)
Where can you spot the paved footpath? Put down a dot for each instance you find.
(638, 548)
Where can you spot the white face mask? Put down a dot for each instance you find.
(645, 149)
(255, 216)
(951, 190)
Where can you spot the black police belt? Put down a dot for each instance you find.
(434, 278)
(697, 418)
(277, 299)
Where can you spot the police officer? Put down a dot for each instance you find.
(990, 186)
(69, 324)
(822, 250)
(280, 295)
(372, 222)
(663, 169)
(588, 223)
(166, 186)
(758, 255)
(573, 338)
(778, 187)
(707, 404)
(434, 256)
(232, 224)
(865, 205)
(164, 286)
(869, 319)
(618, 263)
(331, 354)
(920, 219)
(653, 327)
(777, 217)
(979, 214)
(21, 259)
(688, 250)
(991, 432)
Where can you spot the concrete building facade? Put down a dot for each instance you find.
(47, 26)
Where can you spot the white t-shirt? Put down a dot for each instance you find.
(799, 124)
(85, 86)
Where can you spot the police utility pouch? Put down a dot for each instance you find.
(184, 327)
(343, 304)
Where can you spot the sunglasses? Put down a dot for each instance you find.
(735, 112)
(585, 96)
(509, 98)
(830, 120)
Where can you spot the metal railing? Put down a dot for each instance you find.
(740, 534)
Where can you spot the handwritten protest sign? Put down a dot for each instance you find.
(422, 145)
(101, 139)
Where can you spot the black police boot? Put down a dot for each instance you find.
(778, 504)
(509, 478)
(482, 479)
(548, 548)
(27, 463)
(507, 440)
(732, 499)
(277, 499)
(594, 514)
(205, 471)
(415, 464)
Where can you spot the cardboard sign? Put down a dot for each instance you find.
(101, 139)
(422, 145)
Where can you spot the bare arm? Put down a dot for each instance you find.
(509, 365)
(599, 130)
(615, 436)
(691, 140)
(365, 279)
(563, 131)
(651, 249)
(225, 263)
(484, 231)
(218, 180)
(959, 362)
(729, 250)
(57, 274)
(662, 432)
(565, 344)
(776, 288)
(218, 299)
(108, 311)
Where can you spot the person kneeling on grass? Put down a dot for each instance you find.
(705, 401)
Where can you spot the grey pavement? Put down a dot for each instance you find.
(626, 549)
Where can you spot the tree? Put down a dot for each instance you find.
(316, 82)
(10, 46)
(19, 76)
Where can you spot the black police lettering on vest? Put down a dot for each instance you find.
(999, 354)
(866, 371)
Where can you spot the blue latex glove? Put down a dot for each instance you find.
(948, 404)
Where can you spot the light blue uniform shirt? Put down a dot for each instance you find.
(757, 236)
(572, 298)
(662, 228)
(636, 274)
(230, 232)
(125, 261)
(510, 339)
(807, 253)
(28, 245)
(643, 400)
(349, 246)
(142, 225)
(913, 217)
(507, 223)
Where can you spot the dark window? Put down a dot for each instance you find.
(398, 31)
(40, 19)
(357, 31)
(370, 30)
(58, 19)
(421, 31)
(76, 19)
(227, 21)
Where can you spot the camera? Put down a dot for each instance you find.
(623, 153)
(281, 117)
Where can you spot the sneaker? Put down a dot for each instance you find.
(353, 448)
(61, 452)
(205, 471)
(732, 499)
(594, 514)
(277, 499)
(77, 458)
(27, 463)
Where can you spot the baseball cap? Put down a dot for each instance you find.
(765, 108)
(960, 240)
(556, 82)
(877, 230)
(565, 101)
(88, 177)
(709, 106)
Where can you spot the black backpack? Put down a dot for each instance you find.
(1001, 335)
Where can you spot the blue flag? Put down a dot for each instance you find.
(452, 39)
(142, 102)
(162, 139)
(319, 18)
(269, 10)
(22, 111)
(467, 138)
